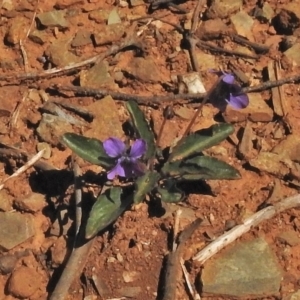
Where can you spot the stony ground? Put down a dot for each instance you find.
(69, 66)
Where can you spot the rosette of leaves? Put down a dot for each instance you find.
(184, 162)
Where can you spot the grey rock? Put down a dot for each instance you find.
(97, 77)
(82, 38)
(99, 16)
(15, 228)
(5, 201)
(113, 17)
(55, 18)
(59, 54)
(7, 263)
(106, 121)
(110, 34)
(38, 36)
(32, 203)
(51, 128)
(243, 24)
(144, 69)
(246, 269)
(264, 14)
(223, 8)
(293, 54)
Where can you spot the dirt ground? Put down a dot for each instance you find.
(128, 258)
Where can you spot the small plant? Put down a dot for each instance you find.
(147, 169)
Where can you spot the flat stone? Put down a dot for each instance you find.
(113, 17)
(257, 111)
(293, 54)
(38, 36)
(24, 282)
(82, 38)
(272, 163)
(51, 128)
(211, 29)
(5, 201)
(55, 18)
(243, 24)
(99, 16)
(289, 147)
(223, 8)
(144, 69)
(15, 228)
(206, 61)
(59, 54)
(109, 34)
(106, 121)
(32, 203)
(17, 30)
(289, 237)
(238, 272)
(265, 14)
(97, 77)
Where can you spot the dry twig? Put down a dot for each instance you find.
(236, 232)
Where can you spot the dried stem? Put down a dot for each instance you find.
(236, 232)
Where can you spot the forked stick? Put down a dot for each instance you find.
(233, 234)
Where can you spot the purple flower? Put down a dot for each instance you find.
(127, 163)
(228, 92)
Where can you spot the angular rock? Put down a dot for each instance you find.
(59, 54)
(15, 228)
(272, 163)
(212, 29)
(82, 38)
(38, 36)
(97, 77)
(264, 14)
(55, 18)
(223, 8)
(144, 69)
(7, 263)
(32, 203)
(17, 30)
(109, 34)
(293, 54)
(106, 121)
(51, 128)
(289, 237)
(257, 111)
(243, 24)
(289, 148)
(5, 201)
(47, 147)
(113, 17)
(99, 16)
(24, 282)
(206, 61)
(238, 272)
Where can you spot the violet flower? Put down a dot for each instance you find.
(127, 163)
(228, 92)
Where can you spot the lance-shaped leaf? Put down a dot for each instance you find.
(169, 192)
(200, 168)
(89, 149)
(107, 208)
(142, 127)
(201, 140)
(145, 185)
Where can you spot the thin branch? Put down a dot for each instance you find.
(236, 232)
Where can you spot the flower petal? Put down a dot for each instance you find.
(228, 78)
(238, 101)
(114, 147)
(116, 170)
(138, 148)
(133, 169)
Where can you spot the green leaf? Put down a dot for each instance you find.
(145, 185)
(142, 127)
(200, 168)
(197, 142)
(89, 149)
(169, 192)
(107, 208)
